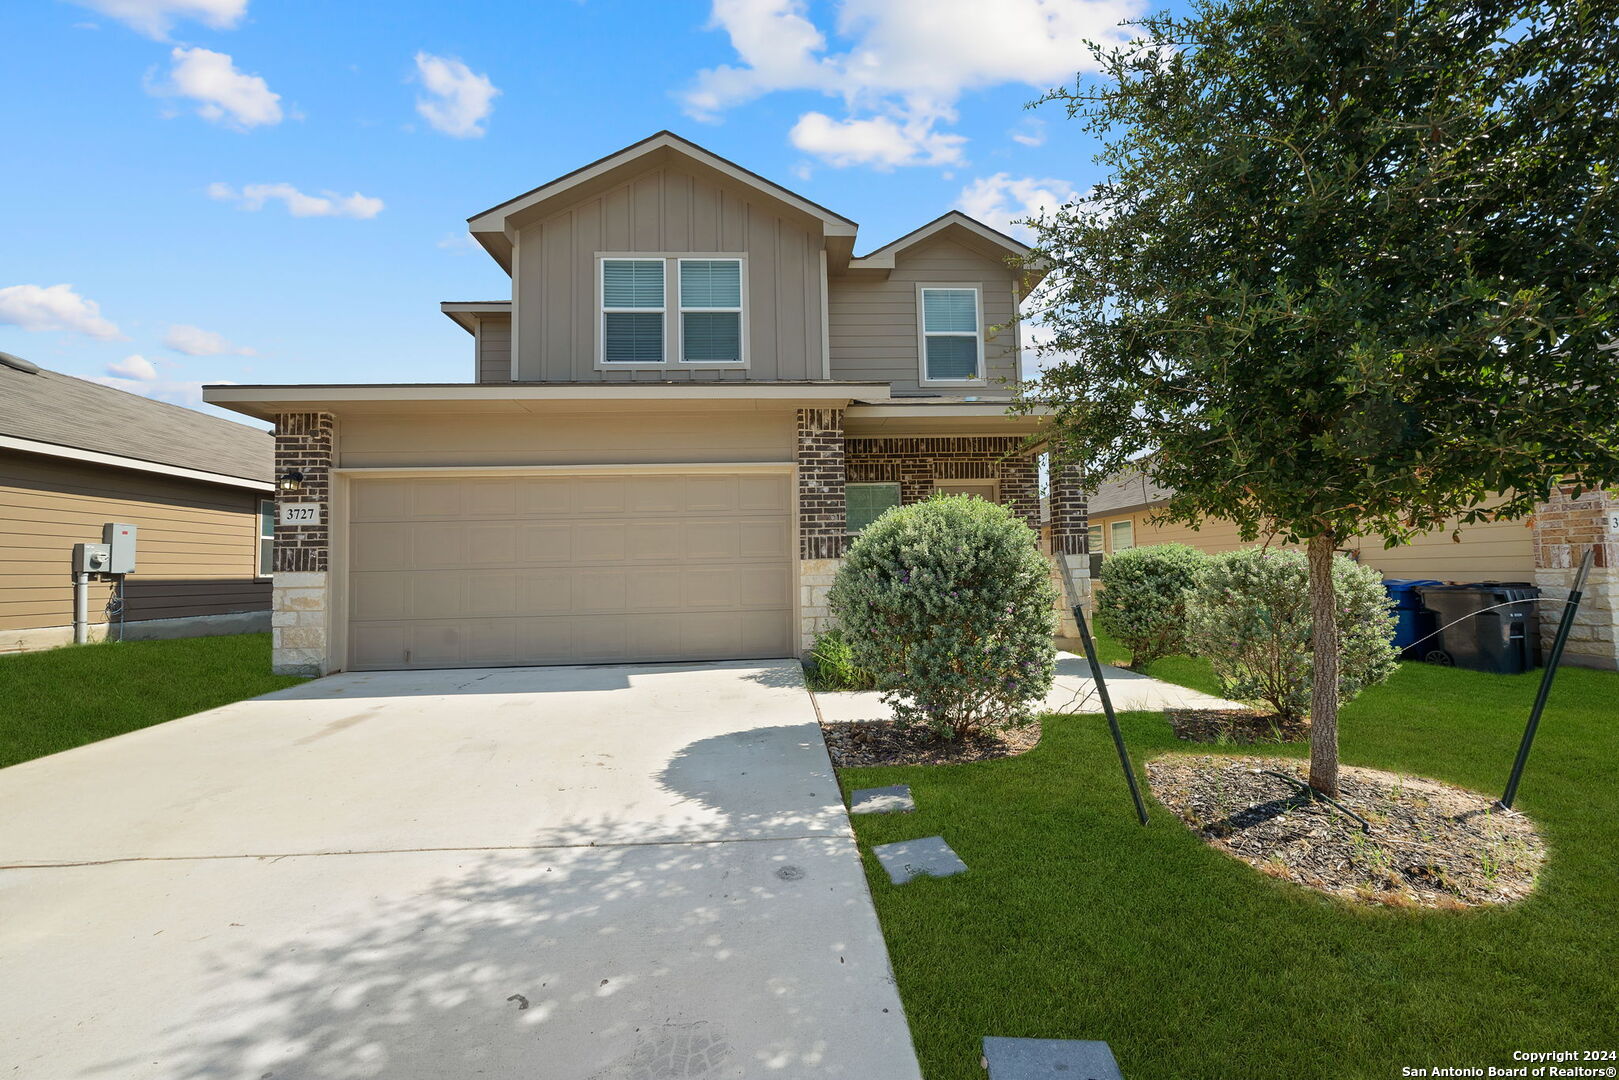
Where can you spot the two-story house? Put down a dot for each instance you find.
(694, 395)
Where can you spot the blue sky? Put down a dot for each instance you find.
(259, 191)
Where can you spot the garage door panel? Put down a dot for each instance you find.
(600, 569)
(380, 500)
(436, 498)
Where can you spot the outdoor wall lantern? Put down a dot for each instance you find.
(292, 480)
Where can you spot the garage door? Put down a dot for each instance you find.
(569, 569)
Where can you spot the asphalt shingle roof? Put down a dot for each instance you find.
(47, 406)
(1127, 490)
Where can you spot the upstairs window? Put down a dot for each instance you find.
(952, 346)
(711, 311)
(632, 311)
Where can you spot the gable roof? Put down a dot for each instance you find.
(962, 228)
(59, 413)
(1125, 492)
(490, 228)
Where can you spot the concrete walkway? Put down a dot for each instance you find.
(1073, 691)
(570, 873)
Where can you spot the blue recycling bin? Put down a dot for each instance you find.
(1413, 621)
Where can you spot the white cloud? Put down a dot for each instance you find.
(908, 61)
(133, 367)
(154, 18)
(54, 307)
(223, 94)
(1001, 200)
(459, 243)
(1031, 132)
(195, 341)
(138, 375)
(461, 100)
(882, 142)
(298, 204)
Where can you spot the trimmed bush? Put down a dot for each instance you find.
(1142, 602)
(949, 604)
(1250, 617)
(835, 667)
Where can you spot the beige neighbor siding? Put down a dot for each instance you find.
(494, 348)
(1496, 551)
(874, 322)
(668, 211)
(197, 547)
(568, 438)
(560, 569)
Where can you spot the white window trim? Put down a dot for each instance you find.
(1127, 523)
(601, 311)
(673, 346)
(922, 333)
(260, 537)
(741, 314)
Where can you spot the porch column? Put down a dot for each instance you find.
(822, 520)
(1564, 529)
(300, 604)
(1069, 518)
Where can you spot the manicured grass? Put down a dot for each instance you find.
(1075, 922)
(62, 698)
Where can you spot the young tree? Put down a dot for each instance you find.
(1354, 270)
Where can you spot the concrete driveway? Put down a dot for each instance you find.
(593, 872)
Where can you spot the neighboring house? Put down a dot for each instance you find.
(693, 396)
(75, 455)
(1123, 508)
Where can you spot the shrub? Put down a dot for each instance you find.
(1250, 616)
(949, 604)
(835, 667)
(1142, 602)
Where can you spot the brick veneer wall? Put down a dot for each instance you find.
(1069, 513)
(916, 464)
(303, 441)
(1565, 527)
(821, 511)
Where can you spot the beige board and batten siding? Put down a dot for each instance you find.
(874, 322)
(668, 211)
(494, 345)
(197, 551)
(1490, 551)
(569, 569)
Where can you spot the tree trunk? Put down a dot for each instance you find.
(1324, 655)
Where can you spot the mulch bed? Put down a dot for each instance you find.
(1430, 845)
(1235, 726)
(883, 742)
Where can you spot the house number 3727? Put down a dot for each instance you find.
(300, 514)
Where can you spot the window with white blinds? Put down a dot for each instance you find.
(632, 311)
(952, 346)
(711, 311)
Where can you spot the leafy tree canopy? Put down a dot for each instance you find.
(1354, 267)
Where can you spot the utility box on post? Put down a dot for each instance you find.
(90, 558)
(119, 539)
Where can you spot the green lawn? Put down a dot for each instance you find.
(62, 698)
(1075, 922)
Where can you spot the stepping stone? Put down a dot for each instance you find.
(882, 800)
(1037, 1059)
(928, 857)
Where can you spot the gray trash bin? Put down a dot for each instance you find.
(1502, 640)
